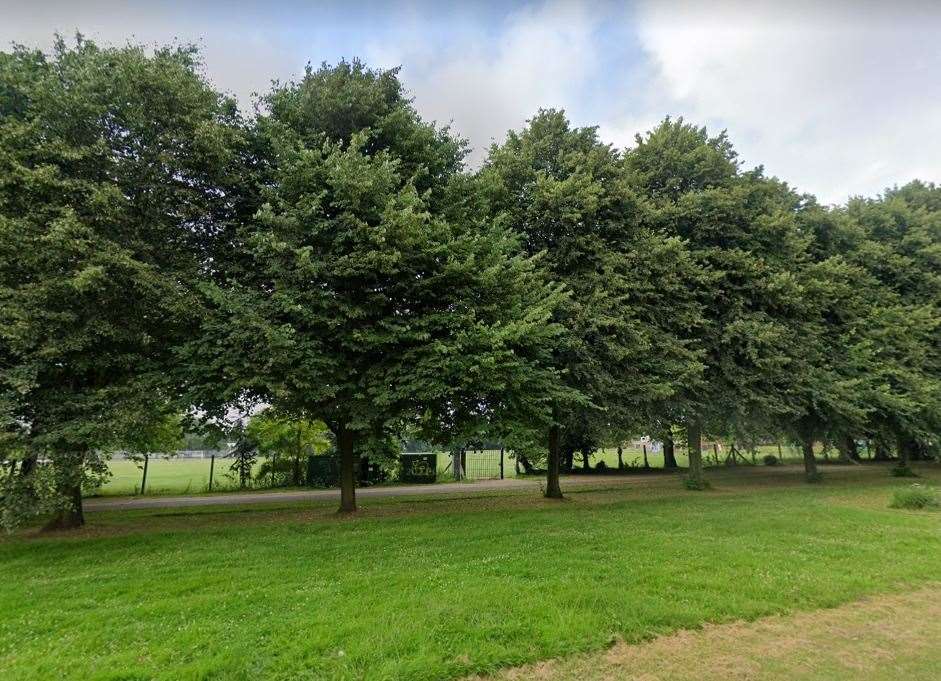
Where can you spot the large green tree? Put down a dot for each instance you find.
(740, 230)
(566, 193)
(114, 169)
(898, 243)
(373, 297)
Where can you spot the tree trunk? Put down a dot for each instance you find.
(669, 451)
(905, 447)
(296, 472)
(526, 464)
(347, 472)
(29, 463)
(810, 463)
(457, 465)
(694, 437)
(69, 518)
(299, 452)
(620, 458)
(553, 490)
(916, 451)
(568, 460)
(852, 449)
(585, 455)
(845, 447)
(882, 452)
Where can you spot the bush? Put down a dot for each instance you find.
(903, 472)
(770, 460)
(601, 467)
(286, 471)
(916, 497)
(695, 485)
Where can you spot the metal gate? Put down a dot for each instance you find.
(484, 464)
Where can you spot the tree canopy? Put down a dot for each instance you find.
(113, 169)
(333, 259)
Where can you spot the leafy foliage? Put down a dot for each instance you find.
(113, 165)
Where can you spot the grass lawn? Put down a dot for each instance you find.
(166, 476)
(807, 646)
(439, 588)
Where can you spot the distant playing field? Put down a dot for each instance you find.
(169, 476)
(191, 476)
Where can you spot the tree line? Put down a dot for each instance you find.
(332, 255)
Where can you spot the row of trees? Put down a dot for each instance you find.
(332, 256)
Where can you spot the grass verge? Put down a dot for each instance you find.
(435, 588)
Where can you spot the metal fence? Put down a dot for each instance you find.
(180, 454)
(477, 464)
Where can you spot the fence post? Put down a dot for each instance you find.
(501, 463)
(143, 482)
(212, 466)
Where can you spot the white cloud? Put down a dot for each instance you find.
(240, 56)
(838, 98)
(540, 55)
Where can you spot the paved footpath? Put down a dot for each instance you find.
(233, 498)
(444, 489)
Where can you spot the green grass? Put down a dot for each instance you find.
(432, 588)
(168, 476)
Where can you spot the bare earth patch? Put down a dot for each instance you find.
(879, 638)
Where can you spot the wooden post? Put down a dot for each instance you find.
(143, 482)
(212, 467)
(501, 463)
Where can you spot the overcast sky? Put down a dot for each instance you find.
(837, 98)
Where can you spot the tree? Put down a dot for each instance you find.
(899, 245)
(739, 229)
(244, 455)
(113, 168)
(565, 192)
(294, 439)
(371, 298)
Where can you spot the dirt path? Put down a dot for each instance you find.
(882, 638)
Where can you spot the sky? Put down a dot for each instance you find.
(837, 98)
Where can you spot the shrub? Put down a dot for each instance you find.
(770, 460)
(915, 497)
(601, 467)
(903, 472)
